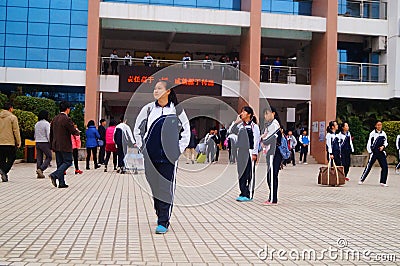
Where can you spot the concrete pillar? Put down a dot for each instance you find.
(323, 73)
(250, 50)
(92, 62)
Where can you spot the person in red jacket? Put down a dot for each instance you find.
(76, 144)
(110, 145)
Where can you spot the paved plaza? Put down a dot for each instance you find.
(108, 219)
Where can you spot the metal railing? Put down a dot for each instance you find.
(373, 9)
(362, 72)
(228, 71)
(285, 74)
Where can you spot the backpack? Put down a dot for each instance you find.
(284, 149)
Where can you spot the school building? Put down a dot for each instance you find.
(328, 49)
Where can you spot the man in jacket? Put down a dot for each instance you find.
(102, 132)
(61, 129)
(10, 139)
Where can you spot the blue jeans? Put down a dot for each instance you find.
(64, 161)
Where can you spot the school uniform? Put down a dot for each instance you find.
(346, 148)
(272, 141)
(248, 138)
(210, 147)
(304, 140)
(333, 148)
(292, 142)
(166, 137)
(376, 140)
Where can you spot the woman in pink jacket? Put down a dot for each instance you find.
(76, 144)
(110, 145)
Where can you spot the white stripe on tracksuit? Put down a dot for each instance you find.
(173, 187)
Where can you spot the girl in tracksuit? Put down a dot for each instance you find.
(398, 151)
(377, 142)
(271, 140)
(248, 140)
(346, 148)
(167, 134)
(332, 143)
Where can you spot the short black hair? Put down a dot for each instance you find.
(90, 123)
(102, 120)
(113, 123)
(64, 105)
(7, 106)
(43, 115)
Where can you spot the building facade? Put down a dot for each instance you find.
(327, 49)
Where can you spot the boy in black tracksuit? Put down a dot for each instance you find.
(377, 142)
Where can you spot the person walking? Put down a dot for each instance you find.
(43, 147)
(92, 136)
(216, 138)
(346, 148)
(110, 145)
(377, 142)
(166, 136)
(102, 132)
(332, 143)
(61, 129)
(304, 142)
(190, 152)
(248, 134)
(210, 146)
(10, 140)
(271, 140)
(123, 138)
(222, 134)
(292, 143)
(398, 153)
(76, 145)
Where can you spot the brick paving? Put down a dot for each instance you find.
(108, 219)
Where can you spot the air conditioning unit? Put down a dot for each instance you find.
(378, 44)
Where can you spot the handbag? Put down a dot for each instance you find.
(134, 160)
(331, 176)
(100, 143)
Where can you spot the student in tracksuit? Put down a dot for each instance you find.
(346, 148)
(332, 143)
(166, 137)
(398, 151)
(248, 140)
(377, 142)
(271, 140)
(123, 138)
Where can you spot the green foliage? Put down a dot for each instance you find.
(26, 121)
(78, 117)
(359, 134)
(3, 99)
(35, 105)
(392, 129)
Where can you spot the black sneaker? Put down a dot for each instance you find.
(53, 180)
(63, 186)
(4, 177)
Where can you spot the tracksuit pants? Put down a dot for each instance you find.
(336, 158)
(161, 178)
(398, 165)
(303, 152)
(345, 160)
(381, 157)
(246, 173)
(121, 156)
(274, 165)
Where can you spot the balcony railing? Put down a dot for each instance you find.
(228, 71)
(372, 9)
(285, 74)
(362, 72)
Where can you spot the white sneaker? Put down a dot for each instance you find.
(384, 185)
(360, 182)
(305, 163)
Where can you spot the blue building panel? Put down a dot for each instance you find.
(211, 4)
(43, 33)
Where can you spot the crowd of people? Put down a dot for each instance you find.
(162, 132)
